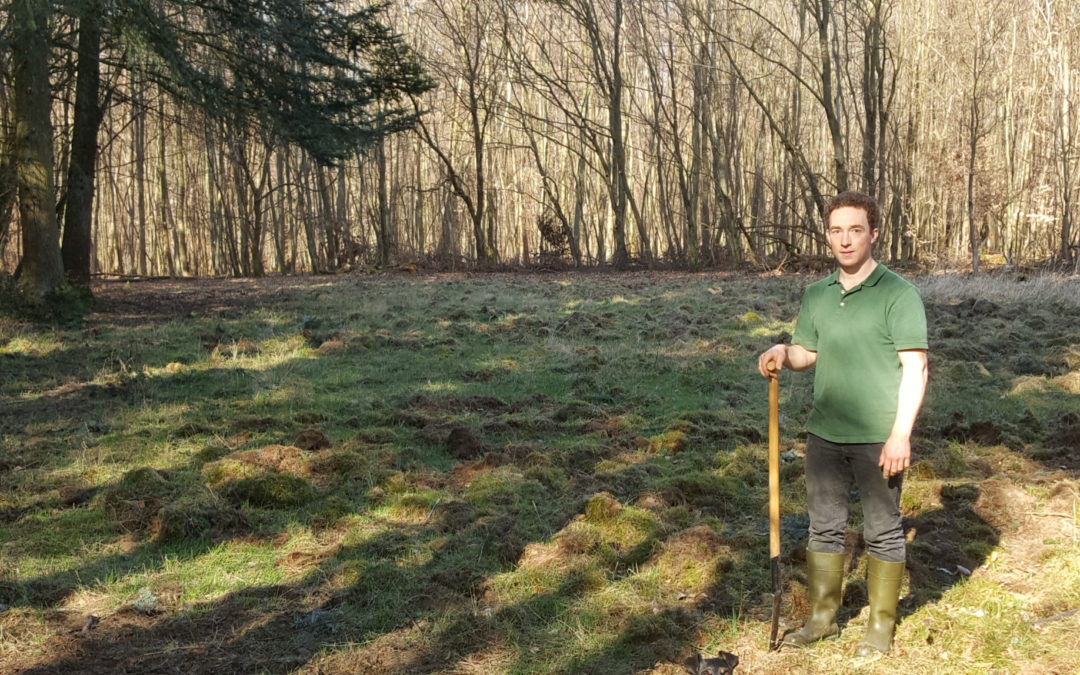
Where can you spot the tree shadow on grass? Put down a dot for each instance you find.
(277, 628)
(374, 606)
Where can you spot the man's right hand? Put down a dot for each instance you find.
(777, 355)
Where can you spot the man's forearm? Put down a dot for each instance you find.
(800, 358)
(912, 389)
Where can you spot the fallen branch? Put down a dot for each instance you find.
(1049, 515)
(1056, 617)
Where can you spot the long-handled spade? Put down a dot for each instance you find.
(774, 500)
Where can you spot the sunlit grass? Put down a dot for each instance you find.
(510, 555)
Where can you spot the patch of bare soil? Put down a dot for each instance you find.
(139, 302)
(391, 652)
(465, 473)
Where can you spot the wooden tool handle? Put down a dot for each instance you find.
(774, 464)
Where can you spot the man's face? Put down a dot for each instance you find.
(850, 237)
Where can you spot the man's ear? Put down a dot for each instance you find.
(874, 232)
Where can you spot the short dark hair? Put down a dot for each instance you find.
(856, 200)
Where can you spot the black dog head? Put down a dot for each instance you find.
(723, 664)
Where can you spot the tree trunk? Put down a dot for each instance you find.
(383, 235)
(619, 183)
(139, 151)
(973, 143)
(828, 96)
(79, 210)
(168, 222)
(42, 268)
(873, 74)
(306, 216)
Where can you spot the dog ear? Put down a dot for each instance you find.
(730, 660)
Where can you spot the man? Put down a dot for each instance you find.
(864, 328)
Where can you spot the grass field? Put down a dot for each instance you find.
(508, 474)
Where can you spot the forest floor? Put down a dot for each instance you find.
(509, 473)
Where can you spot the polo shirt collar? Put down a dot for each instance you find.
(871, 280)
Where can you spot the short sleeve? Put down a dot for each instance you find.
(907, 321)
(805, 332)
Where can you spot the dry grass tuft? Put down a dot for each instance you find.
(1040, 288)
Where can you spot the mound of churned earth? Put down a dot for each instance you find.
(692, 559)
(275, 476)
(145, 501)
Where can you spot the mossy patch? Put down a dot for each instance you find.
(602, 507)
(331, 511)
(413, 506)
(369, 465)
(723, 492)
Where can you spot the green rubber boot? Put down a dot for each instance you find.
(883, 590)
(824, 575)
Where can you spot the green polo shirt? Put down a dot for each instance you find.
(856, 335)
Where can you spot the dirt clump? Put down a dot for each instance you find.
(1067, 434)
(134, 499)
(312, 439)
(983, 432)
(453, 516)
(146, 501)
(689, 560)
(271, 490)
(73, 495)
(286, 458)
(463, 443)
(353, 461)
(332, 347)
(196, 513)
(270, 477)
(465, 473)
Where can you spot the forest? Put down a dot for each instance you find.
(422, 336)
(220, 138)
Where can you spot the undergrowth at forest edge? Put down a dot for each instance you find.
(506, 474)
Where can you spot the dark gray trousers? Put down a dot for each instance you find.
(831, 469)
